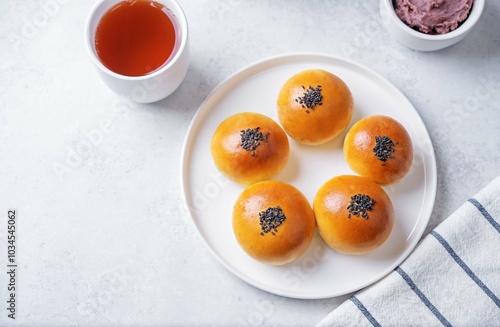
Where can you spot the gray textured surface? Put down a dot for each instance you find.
(107, 241)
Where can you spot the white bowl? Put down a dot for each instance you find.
(425, 42)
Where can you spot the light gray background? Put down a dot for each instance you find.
(106, 241)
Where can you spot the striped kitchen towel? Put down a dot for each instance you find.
(452, 278)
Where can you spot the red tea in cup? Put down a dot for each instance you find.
(135, 37)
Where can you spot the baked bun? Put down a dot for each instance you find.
(353, 213)
(380, 148)
(314, 106)
(249, 147)
(273, 222)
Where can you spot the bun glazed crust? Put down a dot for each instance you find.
(360, 142)
(247, 166)
(309, 120)
(345, 231)
(290, 239)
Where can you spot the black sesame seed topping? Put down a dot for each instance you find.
(384, 148)
(251, 138)
(271, 219)
(312, 97)
(360, 204)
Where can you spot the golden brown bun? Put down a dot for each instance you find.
(327, 119)
(290, 239)
(352, 234)
(247, 166)
(360, 142)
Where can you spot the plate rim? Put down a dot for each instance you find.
(288, 58)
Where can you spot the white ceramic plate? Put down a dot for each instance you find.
(321, 272)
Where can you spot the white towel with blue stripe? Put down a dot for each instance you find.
(452, 278)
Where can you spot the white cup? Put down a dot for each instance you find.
(156, 85)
